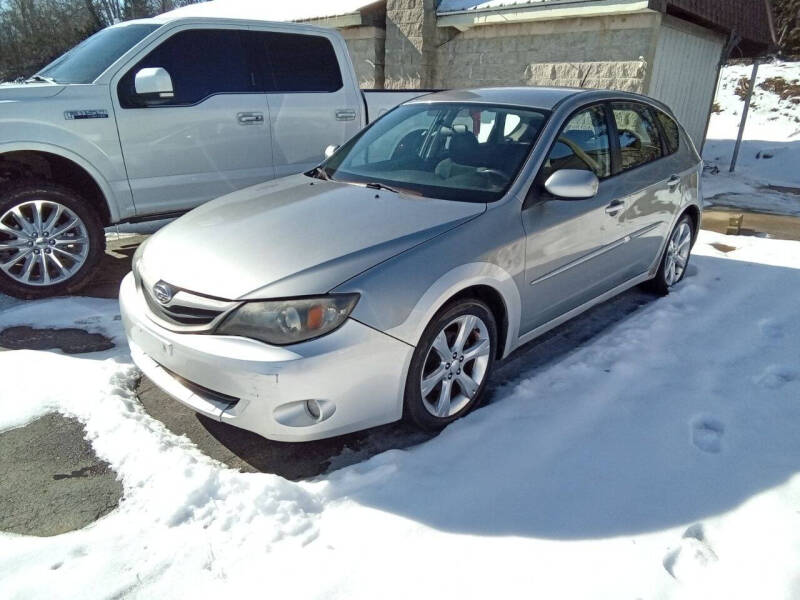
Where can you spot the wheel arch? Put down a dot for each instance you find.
(58, 165)
(484, 281)
(497, 305)
(694, 213)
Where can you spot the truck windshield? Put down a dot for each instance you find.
(86, 61)
(454, 151)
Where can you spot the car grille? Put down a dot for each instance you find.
(180, 315)
(187, 311)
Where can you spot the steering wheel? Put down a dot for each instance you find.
(580, 153)
(494, 173)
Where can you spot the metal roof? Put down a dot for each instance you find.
(446, 6)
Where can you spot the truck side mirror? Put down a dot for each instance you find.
(154, 84)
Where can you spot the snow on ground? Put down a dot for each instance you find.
(658, 460)
(770, 152)
(269, 11)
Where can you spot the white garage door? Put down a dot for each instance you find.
(685, 73)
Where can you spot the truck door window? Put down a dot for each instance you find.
(201, 63)
(291, 63)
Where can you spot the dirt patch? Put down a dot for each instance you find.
(723, 247)
(69, 341)
(780, 86)
(51, 481)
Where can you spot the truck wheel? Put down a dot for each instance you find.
(51, 240)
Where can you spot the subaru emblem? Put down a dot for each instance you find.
(163, 292)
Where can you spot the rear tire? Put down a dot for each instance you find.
(451, 365)
(51, 240)
(675, 260)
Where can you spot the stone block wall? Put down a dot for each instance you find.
(367, 50)
(412, 38)
(607, 52)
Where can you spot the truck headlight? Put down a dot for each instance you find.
(284, 322)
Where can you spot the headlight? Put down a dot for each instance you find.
(284, 322)
(136, 263)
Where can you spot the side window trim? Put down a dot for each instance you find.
(616, 154)
(611, 124)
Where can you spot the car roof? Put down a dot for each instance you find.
(546, 98)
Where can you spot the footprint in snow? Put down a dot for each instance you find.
(690, 559)
(707, 434)
(776, 376)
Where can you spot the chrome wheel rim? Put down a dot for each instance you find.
(455, 366)
(680, 244)
(42, 243)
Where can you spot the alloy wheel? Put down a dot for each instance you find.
(42, 243)
(680, 245)
(456, 365)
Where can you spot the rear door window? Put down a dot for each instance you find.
(201, 63)
(583, 144)
(639, 138)
(291, 63)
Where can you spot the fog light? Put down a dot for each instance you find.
(312, 406)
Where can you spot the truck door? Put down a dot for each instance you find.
(210, 138)
(313, 102)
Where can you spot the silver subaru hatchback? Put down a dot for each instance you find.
(388, 281)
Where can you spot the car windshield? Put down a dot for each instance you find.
(453, 151)
(86, 61)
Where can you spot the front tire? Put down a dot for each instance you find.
(451, 365)
(50, 240)
(676, 257)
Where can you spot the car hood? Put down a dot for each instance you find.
(292, 237)
(10, 92)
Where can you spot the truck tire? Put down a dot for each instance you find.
(51, 240)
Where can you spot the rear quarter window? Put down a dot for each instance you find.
(671, 131)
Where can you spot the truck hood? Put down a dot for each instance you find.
(292, 237)
(10, 92)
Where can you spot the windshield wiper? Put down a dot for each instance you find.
(40, 78)
(374, 185)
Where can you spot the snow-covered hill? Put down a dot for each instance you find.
(770, 154)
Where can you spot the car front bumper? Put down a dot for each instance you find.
(354, 377)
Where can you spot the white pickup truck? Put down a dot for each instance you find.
(150, 118)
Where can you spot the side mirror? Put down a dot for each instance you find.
(330, 150)
(154, 83)
(572, 184)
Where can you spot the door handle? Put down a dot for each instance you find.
(345, 114)
(614, 208)
(674, 181)
(250, 118)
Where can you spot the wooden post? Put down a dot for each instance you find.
(746, 110)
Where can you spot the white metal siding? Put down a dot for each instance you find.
(685, 74)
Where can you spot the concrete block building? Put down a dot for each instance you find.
(669, 49)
